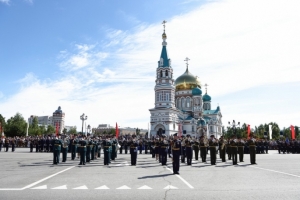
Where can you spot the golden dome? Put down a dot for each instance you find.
(187, 81)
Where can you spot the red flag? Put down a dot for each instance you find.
(117, 131)
(56, 131)
(249, 131)
(293, 132)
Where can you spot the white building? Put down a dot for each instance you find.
(179, 104)
(42, 120)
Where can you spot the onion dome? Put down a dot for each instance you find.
(196, 91)
(187, 81)
(206, 97)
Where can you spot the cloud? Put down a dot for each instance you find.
(29, 1)
(237, 47)
(5, 1)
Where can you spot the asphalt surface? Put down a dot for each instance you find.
(27, 175)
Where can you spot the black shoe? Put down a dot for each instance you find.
(83, 163)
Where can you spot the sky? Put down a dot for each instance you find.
(99, 57)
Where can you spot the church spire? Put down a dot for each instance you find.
(164, 59)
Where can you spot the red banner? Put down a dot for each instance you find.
(179, 130)
(117, 131)
(249, 131)
(293, 132)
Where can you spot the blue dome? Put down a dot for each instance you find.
(206, 97)
(196, 91)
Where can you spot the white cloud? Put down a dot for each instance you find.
(5, 1)
(233, 46)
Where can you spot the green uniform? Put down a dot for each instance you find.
(212, 148)
(233, 144)
(107, 151)
(65, 150)
(196, 150)
(57, 143)
(252, 151)
(222, 150)
(241, 150)
(82, 151)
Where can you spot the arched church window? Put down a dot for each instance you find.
(188, 102)
(177, 102)
(167, 97)
(161, 74)
(166, 72)
(182, 103)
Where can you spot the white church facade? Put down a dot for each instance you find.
(180, 106)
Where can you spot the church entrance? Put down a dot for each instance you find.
(160, 129)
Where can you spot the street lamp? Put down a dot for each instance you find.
(83, 117)
(89, 129)
(234, 126)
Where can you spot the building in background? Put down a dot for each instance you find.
(42, 120)
(180, 106)
(58, 119)
(103, 129)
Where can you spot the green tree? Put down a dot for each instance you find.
(72, 130)
(34, 128)
(50, 129)
(16, 126)
(297, 131)
(64, 131)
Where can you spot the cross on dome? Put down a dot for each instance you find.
(164, 24)
(206, 87)
(187, 62)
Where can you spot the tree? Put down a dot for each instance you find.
(64, 131)
(34, 128)
(16, 126)
(50, 129)
(72, 130)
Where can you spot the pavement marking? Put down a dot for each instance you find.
(103, 187)
(170, 187)
(37, 182)
(123, 163)
(11, 189)
(145, 187)
(63, 187)
(270, 170)
(40, 187)
(81, 188)
(124, 187)
(189, 185)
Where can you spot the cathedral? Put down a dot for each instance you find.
(180, 105)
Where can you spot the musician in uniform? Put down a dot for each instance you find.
(114, 149)
(107, 151)
(146, 146)
(176, 152)
(57, 143)
(196, 149)
(252, 149)
(88, 150)
(164, 150)
(183, 150)
(1, 143)
(203, 149)
(65, 149)
(222, 148)
(13, 144)
(156, 149)
(213, 143)
(125, 146)
(121, 147)
(188, 150)
(228, 148)
(82, 150)
(133, 150)
(233, 144)
(6, 144)
(241, 145)
(74, 143)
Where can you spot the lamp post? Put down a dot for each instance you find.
(83, 117)
(89, 129)
(234, 126)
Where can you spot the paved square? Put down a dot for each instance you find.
(27, 175)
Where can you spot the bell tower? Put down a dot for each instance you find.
(164, 115)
